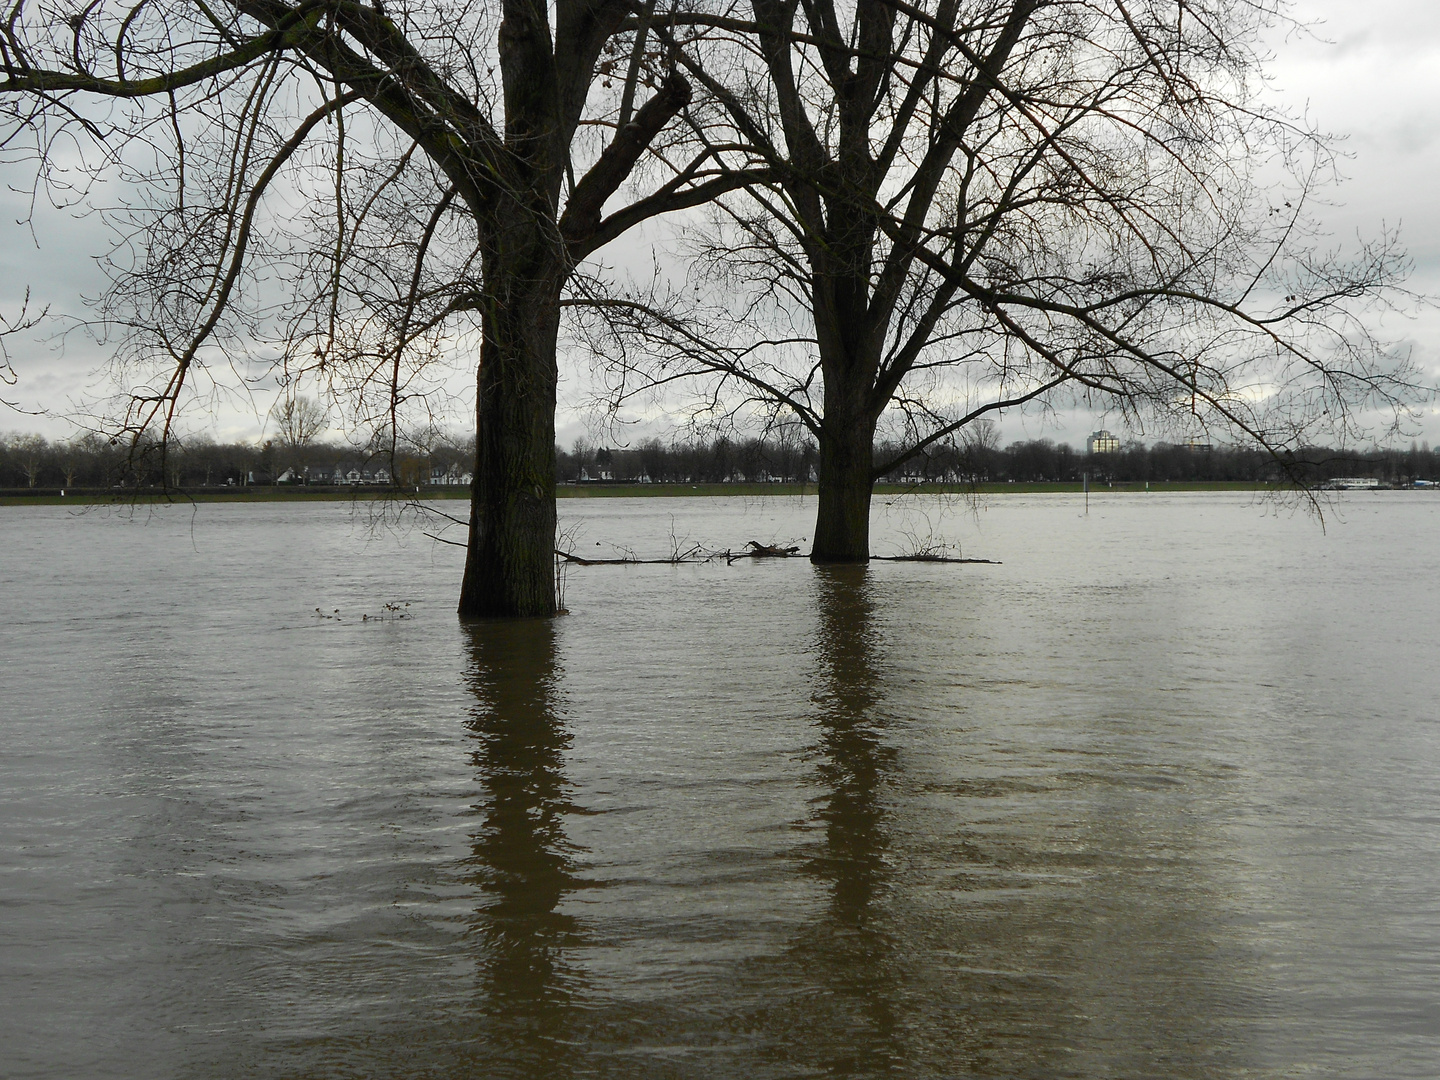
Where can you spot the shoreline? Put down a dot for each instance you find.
(602, 490)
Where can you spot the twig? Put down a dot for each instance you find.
(453, 543)
(426, 508)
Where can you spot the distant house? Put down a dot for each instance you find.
(359, 475)
(1102, 442)
(305, 474)
(454, 476)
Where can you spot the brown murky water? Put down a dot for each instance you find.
(1157, 796)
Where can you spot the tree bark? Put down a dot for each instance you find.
(510, 565)
(842, 522)
(849, 356)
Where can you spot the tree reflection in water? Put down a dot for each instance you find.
(850, 1024)
(522, 860)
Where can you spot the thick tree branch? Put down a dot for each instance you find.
(617, 161)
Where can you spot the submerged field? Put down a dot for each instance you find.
(1152, 794)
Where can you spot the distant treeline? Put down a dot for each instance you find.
(91, 461)
(1029, 461)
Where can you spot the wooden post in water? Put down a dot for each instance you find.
(1085, 478)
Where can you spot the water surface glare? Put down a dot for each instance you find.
(1157, 795)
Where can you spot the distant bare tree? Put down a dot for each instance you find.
(30, 453)
(299, 420)
(71, 457)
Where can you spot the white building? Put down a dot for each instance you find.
(1102, 442)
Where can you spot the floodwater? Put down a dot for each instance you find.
(1157, 795)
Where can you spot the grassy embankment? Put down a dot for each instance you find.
(587, 491)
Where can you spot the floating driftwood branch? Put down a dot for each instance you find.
(756, 550)
(580, 560)
(753, 550)
(923, 557)
(694, 554)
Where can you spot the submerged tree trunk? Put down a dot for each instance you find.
(510, 565)
(849, 356)
(842, 523)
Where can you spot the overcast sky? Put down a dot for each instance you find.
(1370, 74)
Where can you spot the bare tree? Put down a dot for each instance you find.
(353, 188)
(30, 453)
(979, 204)
(72, 456)
(299, 420)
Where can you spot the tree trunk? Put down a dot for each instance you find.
(510, 565)
(842, 524)
(849, 355)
